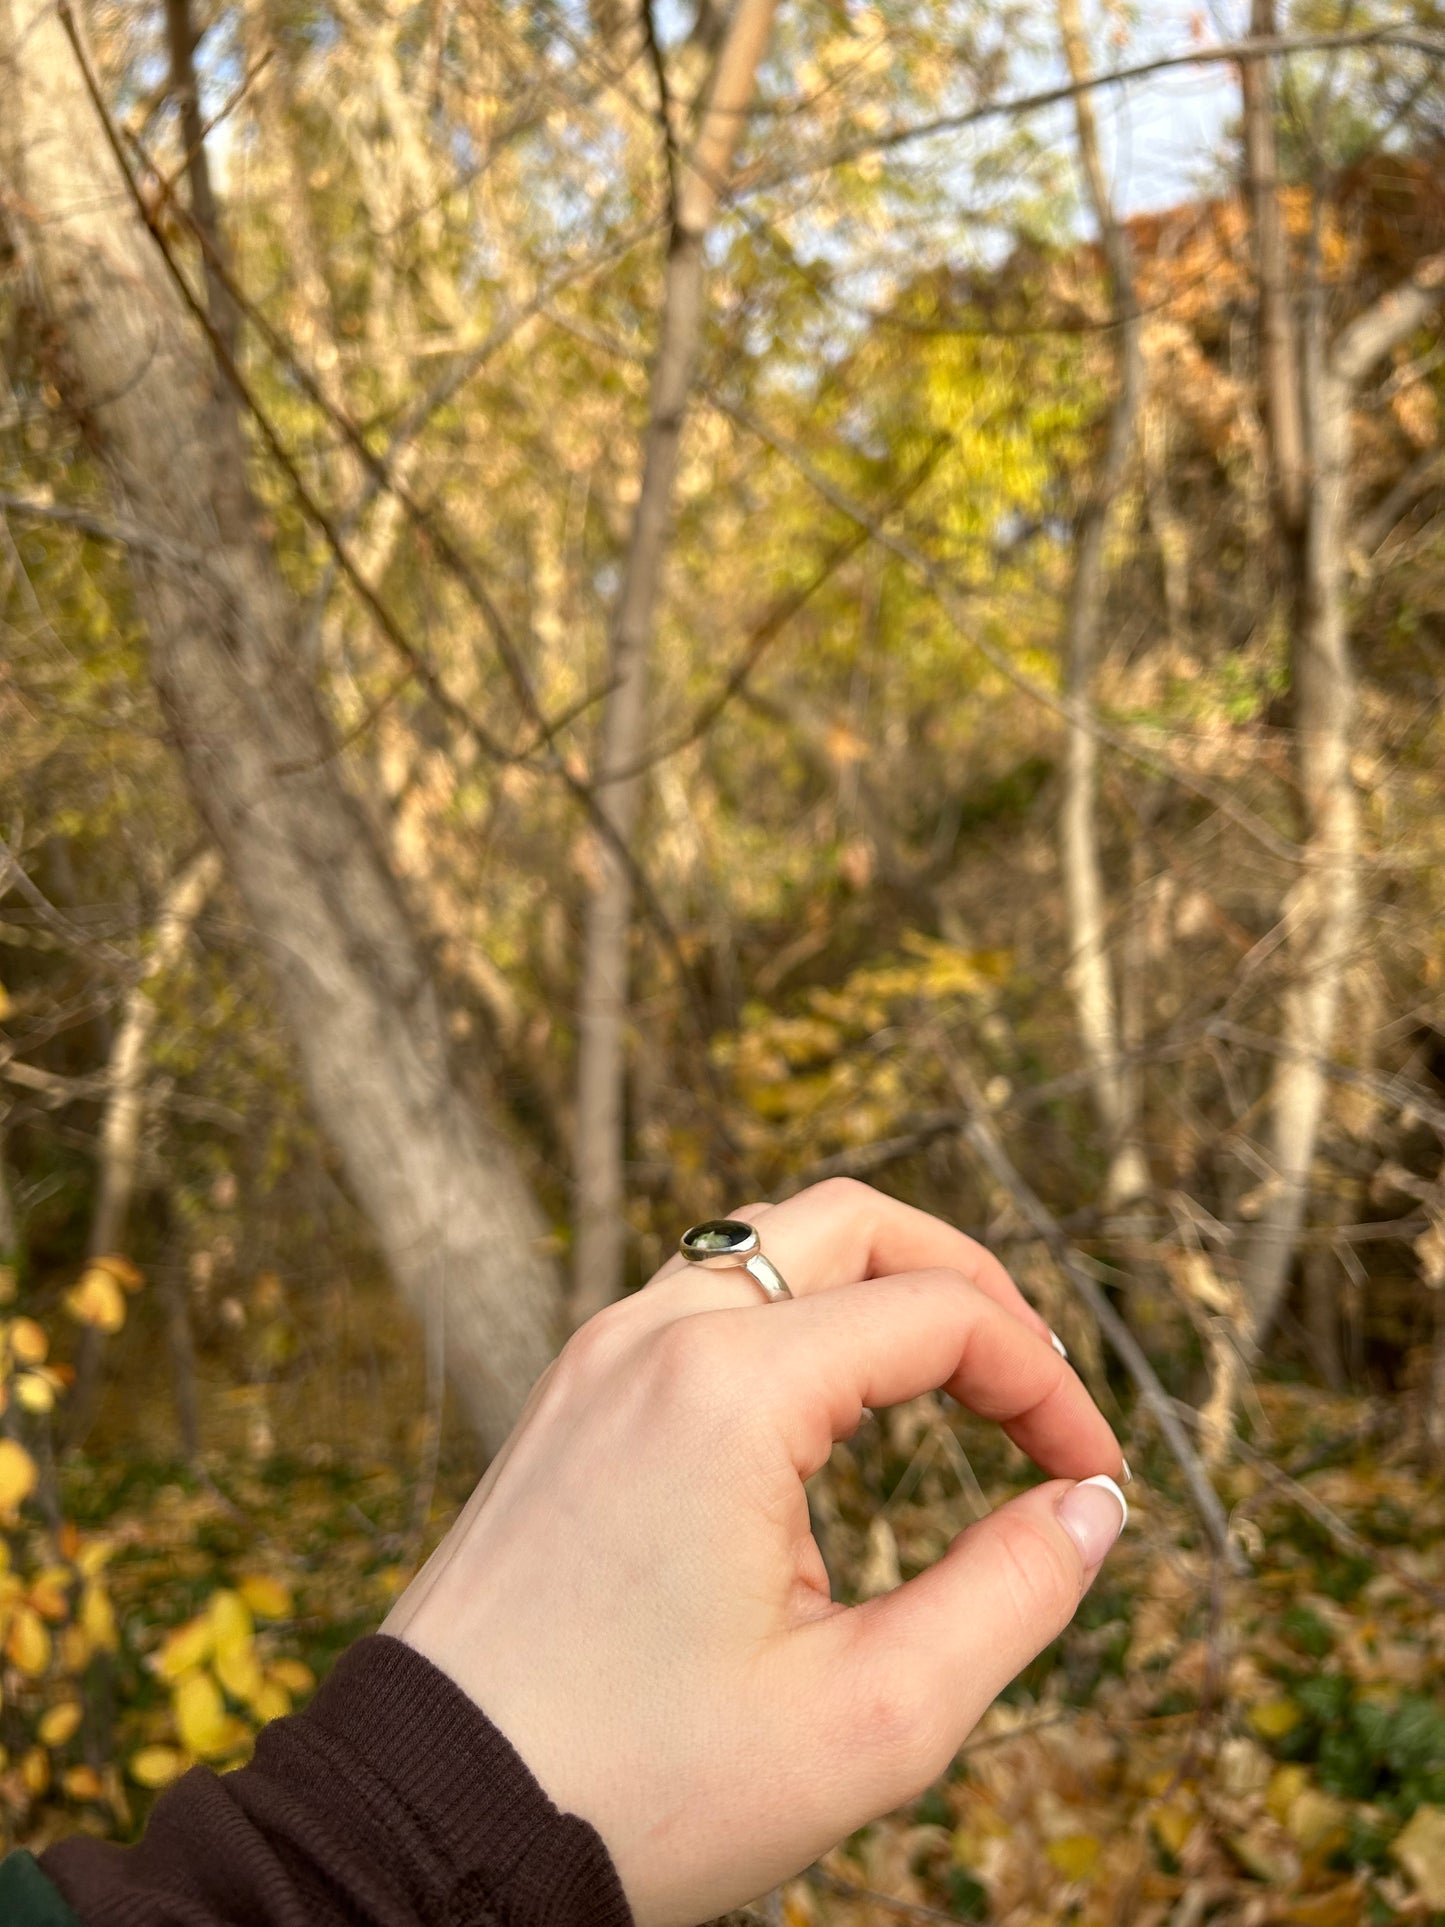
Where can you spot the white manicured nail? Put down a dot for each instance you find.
(1059, 1346)
(1092, 1521)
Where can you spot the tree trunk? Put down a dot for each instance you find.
(124, 1105)
(600, 1249)
(444, 1193)
(1091, 975)
(1278, 334)
(124, 1114)
(1322, 910)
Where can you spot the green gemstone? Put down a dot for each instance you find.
(718, 1234)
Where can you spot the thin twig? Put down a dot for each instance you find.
(1264, 47)
(126, 535)
(1324, 1516)
(947, 594)
(984, 1137)
(446, 550)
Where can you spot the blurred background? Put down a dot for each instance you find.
(604, 613)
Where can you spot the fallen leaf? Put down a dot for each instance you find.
(268, 1598)
(97, 1300)
(201, 1715)
(157, 1766)
(59, 1723)
(1420, 1850)
(19, 1477)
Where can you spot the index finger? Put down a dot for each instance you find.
(841, 1232)
(883, 1340)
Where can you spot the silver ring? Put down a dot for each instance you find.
(727, 1244)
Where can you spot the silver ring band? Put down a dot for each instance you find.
(727, 1244)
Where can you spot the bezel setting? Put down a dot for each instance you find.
(720, 1243)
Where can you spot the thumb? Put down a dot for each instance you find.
(936, 1652)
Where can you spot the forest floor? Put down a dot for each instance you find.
(1195, 1748)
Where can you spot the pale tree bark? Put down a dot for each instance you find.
(181, 38)
(1321, 914)
(124, 1112)
(699, 176)
(121, 1121)
(451, 1211)
(1114, 1087)
(1278, 331)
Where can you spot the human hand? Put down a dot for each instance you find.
(634, 1596)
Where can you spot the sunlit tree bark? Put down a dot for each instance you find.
(1091, 974)
(699, 174)
(444, 1192)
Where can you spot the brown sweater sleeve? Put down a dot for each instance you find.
(389, 1801)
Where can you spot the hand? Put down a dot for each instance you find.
(633, 1594)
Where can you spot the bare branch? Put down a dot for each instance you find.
(982, 1134)
(124, 534)
(1413, 39)
(182, 41)
(1391, 320)
(779, 616)
(950, 598)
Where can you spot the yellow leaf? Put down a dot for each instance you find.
(59, 1723)
(1259, 1851)
(1285, 1787)
(1272, 1719)
(1341, 1906)
(35, 1770)
(1420, 1850)
(273, 1702)
(97, 1300)
(50, 1595)
(186, 1648)
(27, 1644)
(239, 1671)
(97, 1618)
(28, 1341)
(267, 1597)
(157, 1766)
(121, 1269)
(201, 1715)
(1172, 1826)
(93, 1556)
(231, 1622)
(83, 1783)
(1314, 1817)
(1076, 1856)
(19, 1477)
(296, 1677)
(34, 1392)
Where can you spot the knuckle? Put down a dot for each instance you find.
(693, 1366)
(847, 1196)
(1039, 1574)
(685, 1352)
(747, 1212)
(594, 1347)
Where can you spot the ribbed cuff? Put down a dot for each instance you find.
(493, 1843)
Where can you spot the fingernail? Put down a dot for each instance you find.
(1128, 1478)
(1093, 1515)
(1059, 1346)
